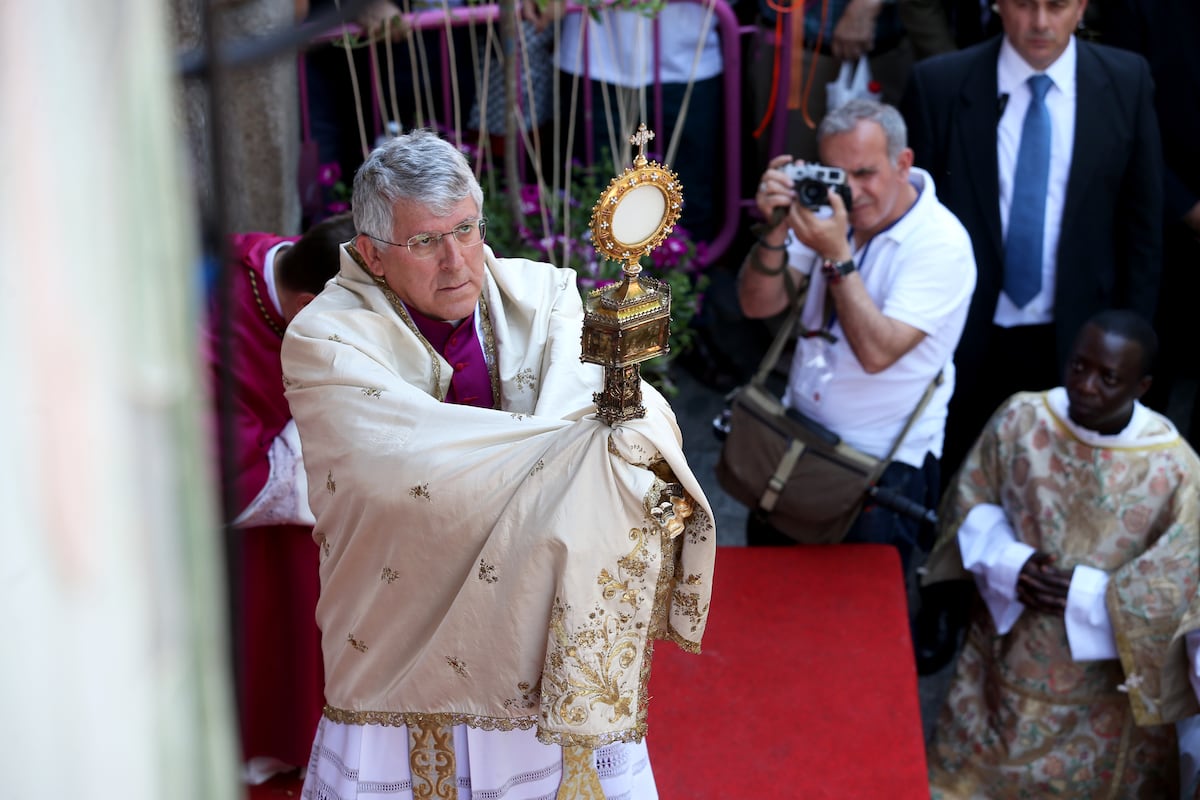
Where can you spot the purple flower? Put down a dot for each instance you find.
(329, 174)
(530, 199)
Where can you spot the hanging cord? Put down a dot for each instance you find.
(681, 117)
(456, 112)
(576, 79)
(781, 11)
(534, 134)
(812, 62)
(358, 105)
(391, 65)
(377, 80)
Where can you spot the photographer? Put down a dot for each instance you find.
(889, 281)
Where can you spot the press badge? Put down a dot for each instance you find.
(817, 364)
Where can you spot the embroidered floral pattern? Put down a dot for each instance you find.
(371, 391)
(432, 762)
(358, 645)
(699, 526)
(530, 694)
(524, 379)
(388, 574)
(487, 572)
(538, 467)
(580, 781)
(1021, 717)
(420, 492)
(335, 338)
(458, 666)
(322, 542)
(687, 604)
(330, 486)
(602, 652)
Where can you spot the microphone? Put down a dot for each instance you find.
(1001, 104)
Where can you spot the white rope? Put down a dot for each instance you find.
(358, 106)
(681, 118)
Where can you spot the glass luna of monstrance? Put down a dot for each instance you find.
(629, 322)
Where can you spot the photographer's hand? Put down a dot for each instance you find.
(827, 235)
(775, 191)
(760, 281)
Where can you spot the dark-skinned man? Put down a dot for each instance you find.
(1077, 514)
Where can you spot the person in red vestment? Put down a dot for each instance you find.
(281, 686)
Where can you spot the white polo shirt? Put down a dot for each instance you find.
(920, 271)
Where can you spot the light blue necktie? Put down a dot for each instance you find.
(1027, 216)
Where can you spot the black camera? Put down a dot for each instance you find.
(813, 182)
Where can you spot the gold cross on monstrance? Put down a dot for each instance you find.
(640, 138)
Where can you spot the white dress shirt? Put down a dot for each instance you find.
(1011, 75)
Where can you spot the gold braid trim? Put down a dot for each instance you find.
(399, 719)
(1122, 759)
(489, 350)
(262, 307)
(485, 323)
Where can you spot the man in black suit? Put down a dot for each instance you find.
(1101, 241)
(1166, 33)
(1058, 235)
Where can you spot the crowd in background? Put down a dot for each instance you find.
(1117, 199)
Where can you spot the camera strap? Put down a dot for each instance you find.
(771, 358)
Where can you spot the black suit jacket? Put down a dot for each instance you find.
(1110, 246)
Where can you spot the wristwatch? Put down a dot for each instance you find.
(836, 270)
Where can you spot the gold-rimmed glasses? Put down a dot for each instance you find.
(468, 233)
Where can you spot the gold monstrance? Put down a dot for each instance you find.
(629, 322)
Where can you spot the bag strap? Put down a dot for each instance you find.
(912, 418)
(797, 293)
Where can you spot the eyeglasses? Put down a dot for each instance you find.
(426, 245)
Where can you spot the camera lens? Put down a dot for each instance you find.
(812, 194)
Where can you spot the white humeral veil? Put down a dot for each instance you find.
(498, 569)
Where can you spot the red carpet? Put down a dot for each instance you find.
(806, 688)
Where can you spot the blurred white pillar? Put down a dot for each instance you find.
(113, 668)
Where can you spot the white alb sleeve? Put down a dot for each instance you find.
(1089, 630)
(994, 557)
(284, 498)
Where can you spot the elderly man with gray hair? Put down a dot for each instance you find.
(890, 274)
(495, 561)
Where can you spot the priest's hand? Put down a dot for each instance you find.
(1043, 587)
